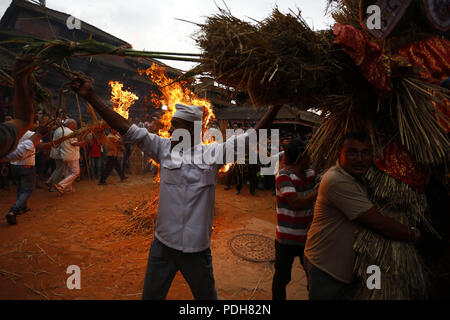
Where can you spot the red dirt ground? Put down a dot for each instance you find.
(80, 229)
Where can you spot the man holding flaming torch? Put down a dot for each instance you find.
(186, 198)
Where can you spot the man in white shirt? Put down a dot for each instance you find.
(24, 173)
(23, 169)
(70, 154)
(58, 174)
(186, 198)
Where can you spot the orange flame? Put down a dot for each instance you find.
(225, 168)
(121, 100)
(157, 178)
(173, 93)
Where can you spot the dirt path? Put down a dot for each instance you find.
(80, 229)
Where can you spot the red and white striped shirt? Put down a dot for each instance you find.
(293, 225)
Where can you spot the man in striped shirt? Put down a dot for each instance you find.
(295, 198)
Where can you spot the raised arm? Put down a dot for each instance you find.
(22, 103)
(266, 121)
(84, 87)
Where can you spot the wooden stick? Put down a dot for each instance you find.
(9, 273)
(84, 147)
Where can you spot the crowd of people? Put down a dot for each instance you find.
(316, 217)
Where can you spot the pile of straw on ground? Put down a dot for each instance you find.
(141, 218)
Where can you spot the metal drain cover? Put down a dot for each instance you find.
(253, 247)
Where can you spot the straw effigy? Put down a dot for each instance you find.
(388, 87)
(360, 84)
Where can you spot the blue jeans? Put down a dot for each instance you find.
(163, 264)
(25, 179)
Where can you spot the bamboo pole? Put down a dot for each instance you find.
(84, 147)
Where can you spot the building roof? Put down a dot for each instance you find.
(56, 16)
(8, 26)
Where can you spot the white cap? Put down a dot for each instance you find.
(188, 113)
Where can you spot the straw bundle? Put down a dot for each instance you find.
(141, 218)
(277, 60)
(345, 12)
(50, 51)
(404, 275)
(281, 60)
(416, 115)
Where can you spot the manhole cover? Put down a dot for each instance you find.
(253, 247)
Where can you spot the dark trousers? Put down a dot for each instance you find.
(5, 173)
(126, 158)
(252, 172)
(163, 264)
(284, 257)
(111, 163)
(240, 174)
(95, 166)
(25, 179)
(233, 173)
(252, 176)
(322, 286)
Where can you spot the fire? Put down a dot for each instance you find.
(173, 93)
(121, 100)
(225, 168)
(157, 178)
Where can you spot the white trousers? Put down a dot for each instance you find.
(73, 171)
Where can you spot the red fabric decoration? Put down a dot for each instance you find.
(398, 163)
(374, 65)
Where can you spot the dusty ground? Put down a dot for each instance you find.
(80, 229)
